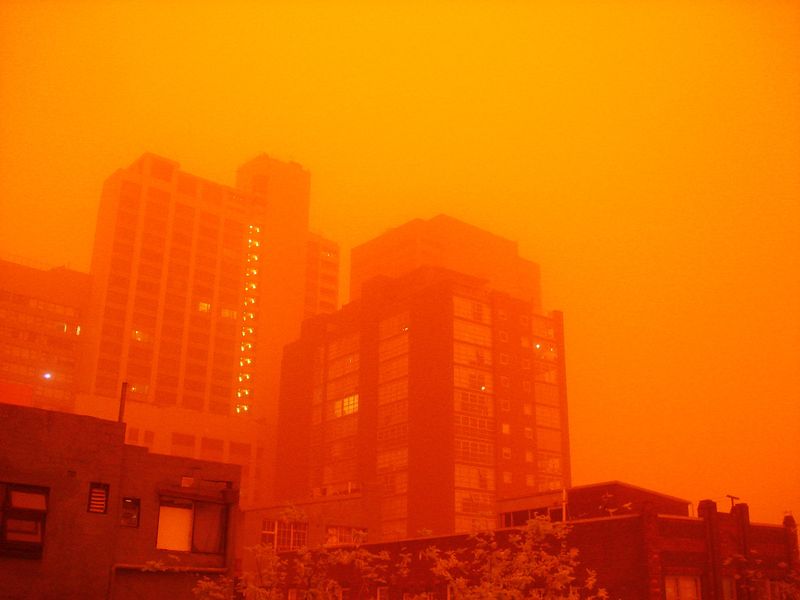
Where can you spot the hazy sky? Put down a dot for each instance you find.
(647, 155)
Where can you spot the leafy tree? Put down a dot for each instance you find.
(534, 564)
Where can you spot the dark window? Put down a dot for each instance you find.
(130, 512)
(23, 509)
(98, 498)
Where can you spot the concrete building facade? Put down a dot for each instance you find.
(187, 311)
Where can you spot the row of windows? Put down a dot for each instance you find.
(22, 300)
(30, 321)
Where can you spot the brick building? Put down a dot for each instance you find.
(643, 545)
(429, 400)
(85, 515)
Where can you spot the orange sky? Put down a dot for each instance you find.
(645, 154)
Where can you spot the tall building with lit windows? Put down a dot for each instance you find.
(41, 319)
(196, 288)
(425, 402)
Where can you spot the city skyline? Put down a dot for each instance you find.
(658, 192)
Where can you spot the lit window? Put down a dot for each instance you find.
(191, 526)
(140, 336)
(346, 406)
(23, 509)
(204, 307)
(682, 587)
(98, 498)
(506, 428)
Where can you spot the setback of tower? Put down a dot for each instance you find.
(430, 398)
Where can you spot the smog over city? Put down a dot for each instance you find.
(399, 300)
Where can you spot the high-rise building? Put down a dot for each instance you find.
(431, 398)
(446, 242)
(322, 275)
(41, 318)
(196, 288)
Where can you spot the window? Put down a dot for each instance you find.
(23, 509)
(507, 453)
(682, 587)
(98, 498)
(383, 593)
(191, 525)
(505, 428)
(506, 476)
(346, 406)
(130, 512)
(284, 535)
(337, 535)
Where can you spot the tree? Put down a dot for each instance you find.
(533, 564)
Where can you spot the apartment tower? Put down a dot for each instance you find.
(430, 398)
(196, 288)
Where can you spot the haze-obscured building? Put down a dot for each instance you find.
(322, 275)
(196, 288)
(432, 397)
(446, 242)
(85, 515)
(42, 316)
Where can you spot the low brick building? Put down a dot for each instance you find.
(643, 545)
(85, 515)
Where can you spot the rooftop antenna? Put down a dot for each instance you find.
(733, 499)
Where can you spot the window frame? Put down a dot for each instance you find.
(183, 502)
(22, 548)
